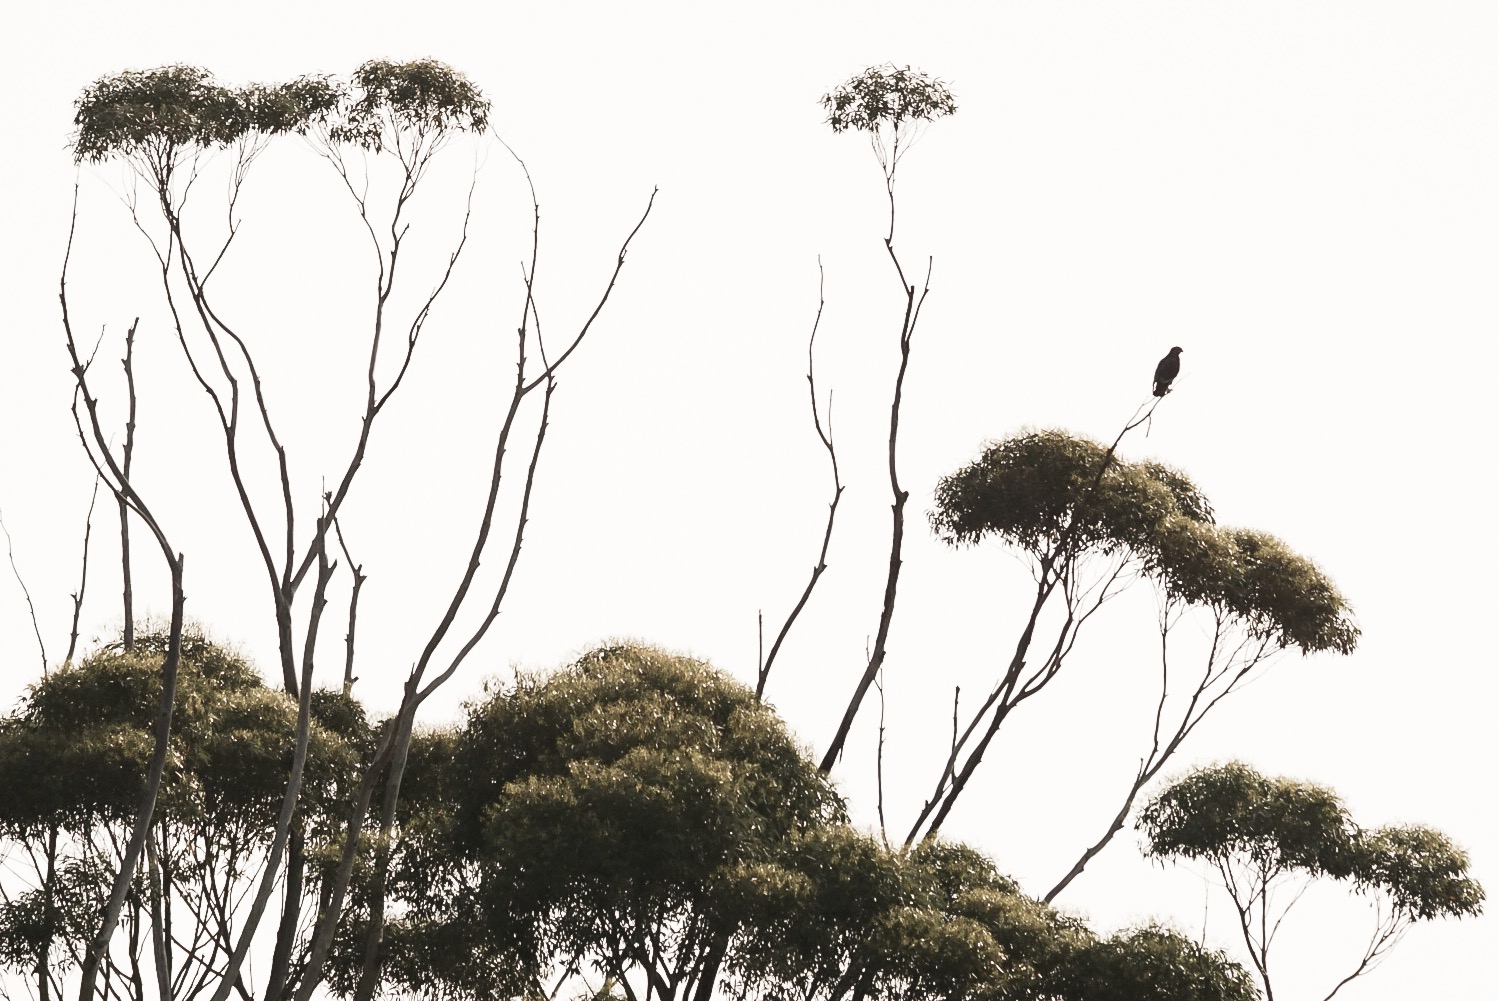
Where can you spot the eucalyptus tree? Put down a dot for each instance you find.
(1090, 524)
(843, 917)
(72, 758)
(1266, 837)
(381, 130)
(592, 822)
(891, 105)
(640, 825)
(1252, 598)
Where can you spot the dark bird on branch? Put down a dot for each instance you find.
(1166, 371)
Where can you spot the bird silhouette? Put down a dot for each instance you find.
(1166, 371)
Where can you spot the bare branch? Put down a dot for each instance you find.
(77, 596)
(897, 508)
(30, 605)
(353, 610)
(825, 435)
(127, 455)
(879, 763)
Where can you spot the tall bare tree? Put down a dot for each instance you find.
(891, 104)
(390, 122)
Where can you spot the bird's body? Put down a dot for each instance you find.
(1166, 371)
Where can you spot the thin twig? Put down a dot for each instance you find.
(77, 596)
(825, 436)
(127, 455)
(30, 605)
(900, 496)
(353, 609)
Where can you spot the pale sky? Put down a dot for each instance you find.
(1302, 195)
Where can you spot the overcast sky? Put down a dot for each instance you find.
(1302, 195)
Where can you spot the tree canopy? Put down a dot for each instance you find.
(641, 814)
(153, 114)
(74, 753)
(1259, 832)
(1057, 496)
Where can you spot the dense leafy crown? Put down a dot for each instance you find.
(640, 796)
(425, 96)
(1058, 496)
(1423, 872)
(659, 747)
(75, 752)
(887, 95)
(1231, 809)
(1230, 813)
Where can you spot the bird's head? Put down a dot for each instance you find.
(1175, 351)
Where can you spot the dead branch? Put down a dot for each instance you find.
(127, 455)
(825, 436)
(913, 303)
(36, 627)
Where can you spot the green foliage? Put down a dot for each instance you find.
(75, 752)
(1256, 830)
(73, 756)
(293, 107)
(1152, 963)
(1256, 578)
(31, 921)
(634, 797)
(1423, 873)
(153, 115)
(602, 801)
(1231, 811)
(634, 772)
(155, 111)
(887, 95)
(939, 922)
(423, 96)
(806, 915)
(639, 797)
(1035, 490)
(1041, 492)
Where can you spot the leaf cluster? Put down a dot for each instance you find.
(153, 111)
(424, 96)
(1059, 497)
(153, 115)
(1423, 872)
(74, 753)
(887, 95)
(636, 773)
(1232, 811)
(30, 921)
(1231, 814)
(1154, 962)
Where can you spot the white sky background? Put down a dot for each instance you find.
(1304, 196)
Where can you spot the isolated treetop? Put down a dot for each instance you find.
(887, 95)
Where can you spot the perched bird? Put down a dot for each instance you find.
(1166, 371)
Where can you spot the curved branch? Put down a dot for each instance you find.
(837, 491)
(897, 511)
